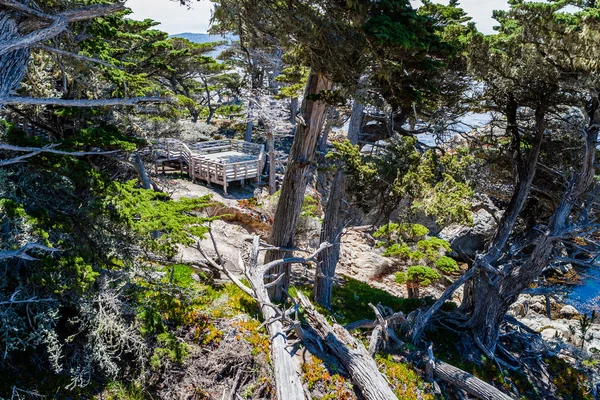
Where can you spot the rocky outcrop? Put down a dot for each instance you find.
(531, 310)
(471, 239)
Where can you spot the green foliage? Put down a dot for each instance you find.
(169, 348)
(433, 184)
(310, 207)
(104, 137)
(433, 247)
(418, 274)
(64, 274)
(447, 265)
(121, 391)
(162, 223)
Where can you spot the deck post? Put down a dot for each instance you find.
(181, 162)
(192, 170)
(258, 172)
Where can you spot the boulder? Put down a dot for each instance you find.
(568, 311)
(471, 239)
(550, 334)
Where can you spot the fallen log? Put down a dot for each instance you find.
(285, 366)
(469, 383)
(362, 367)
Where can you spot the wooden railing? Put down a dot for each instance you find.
(201, 167)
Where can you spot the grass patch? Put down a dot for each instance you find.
(351, 298)
(406, 382)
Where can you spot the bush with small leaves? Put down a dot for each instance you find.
(447, 265)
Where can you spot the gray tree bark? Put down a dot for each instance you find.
(272, 163)
(492, 288)
(360, 364)
(296, 176)
(14, 63)
(334, 220)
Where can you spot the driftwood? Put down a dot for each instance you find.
(353, 355)
(463, 380)
(286, 369)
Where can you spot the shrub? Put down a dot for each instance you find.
(447, 265)
(422, 275)
(433, 247)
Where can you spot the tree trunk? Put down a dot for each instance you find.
(139, 166)
(487, 297)
(249, 125)
(211, 113)
(272, 164)
(467, 382)
(293, 113)
(322, 147)
(296, 176)
(334, 220)
(12, 64)
(482, 309)
(286, 368)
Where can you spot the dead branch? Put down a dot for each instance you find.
(22, 252)
(463, 380)
(353, 355)
(46, 26)
(34, 151)
(81, 103)
(51, 49)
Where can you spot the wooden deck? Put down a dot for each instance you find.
(220, 161)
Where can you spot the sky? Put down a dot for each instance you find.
(177, 19)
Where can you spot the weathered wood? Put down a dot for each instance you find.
(335, 219)
(208, 160)
(297, 175)
(471, 384)
(139, 166)
(353, 355)
(7, 100)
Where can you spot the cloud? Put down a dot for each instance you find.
(173, 17)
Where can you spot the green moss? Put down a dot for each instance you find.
(351, 298)
(169, 348)
(570, 382)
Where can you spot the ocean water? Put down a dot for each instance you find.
(585, 297)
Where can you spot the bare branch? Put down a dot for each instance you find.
(33, 151)
(82, 103)
(22, 252)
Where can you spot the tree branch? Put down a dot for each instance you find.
(33, 151)
(22, 252)
(74, 55)
(82, 103)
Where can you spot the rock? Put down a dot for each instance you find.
(568, 311)
(471, 239)
(538, 307)
(550, 334)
